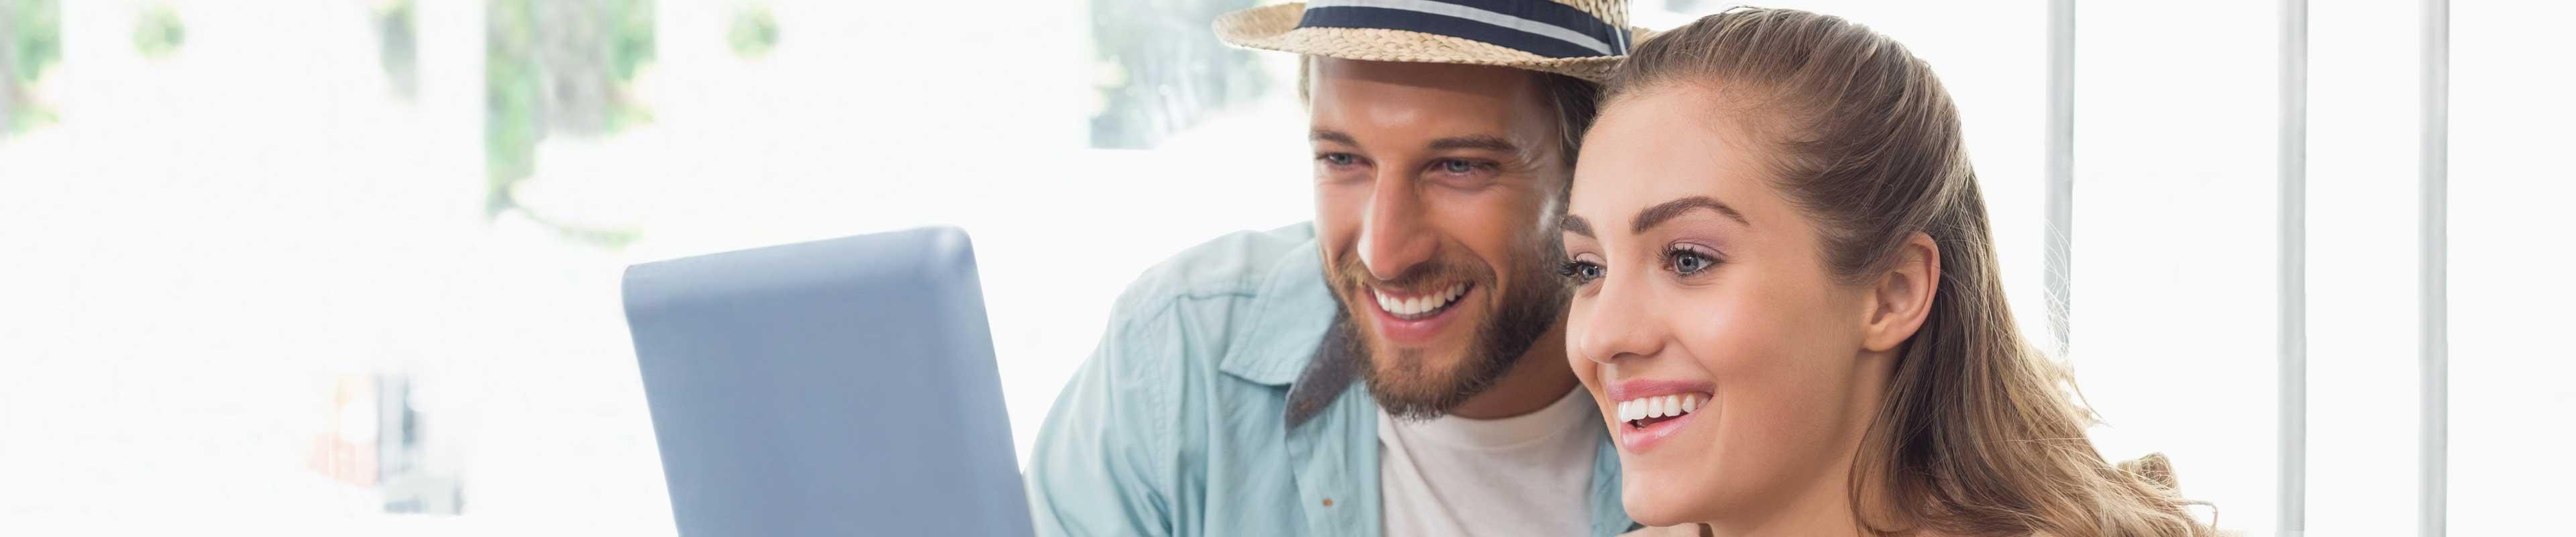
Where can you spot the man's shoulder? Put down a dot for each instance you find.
(1231, 267)
(1253, 304)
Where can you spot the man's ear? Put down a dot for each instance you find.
(1902, 297)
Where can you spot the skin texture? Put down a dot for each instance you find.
(1790, 361)
(1429, 175)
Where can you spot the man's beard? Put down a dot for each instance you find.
(1403, 380)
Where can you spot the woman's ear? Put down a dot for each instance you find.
(1902, 297)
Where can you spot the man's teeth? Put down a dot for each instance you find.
(1419, 305)
(1658, 407)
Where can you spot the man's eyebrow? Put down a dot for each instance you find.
(1657, 214)
(1339, 137)
(1489, 143)
(1576, 225)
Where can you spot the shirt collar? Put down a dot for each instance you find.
(1289, 319)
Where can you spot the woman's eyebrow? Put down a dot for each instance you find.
(1576, 225)
(1656, 215)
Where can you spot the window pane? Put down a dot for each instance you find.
(2174, 326)
(2363, 257)
(2510, 393)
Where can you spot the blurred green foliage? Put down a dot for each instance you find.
(398, 45)
(754, 31)
(558, 67)
(31, 39)
(1160, 70)
(630, 39)
(35, 35)
(158, 32)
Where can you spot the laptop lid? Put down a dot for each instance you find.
(836, 387)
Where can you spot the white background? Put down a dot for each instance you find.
(203, 241)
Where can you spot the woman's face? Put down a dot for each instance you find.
(1699, 286)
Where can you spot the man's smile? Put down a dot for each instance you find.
(1415, 317)
(1417, 306)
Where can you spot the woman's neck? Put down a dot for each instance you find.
(1823, 507)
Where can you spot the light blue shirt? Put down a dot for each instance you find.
(1180, 422)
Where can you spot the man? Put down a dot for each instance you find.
(1227, 396)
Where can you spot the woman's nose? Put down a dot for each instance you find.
(1620, 323)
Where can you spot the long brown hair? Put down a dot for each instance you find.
(1980, 433)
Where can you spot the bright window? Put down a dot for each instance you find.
(352, 267)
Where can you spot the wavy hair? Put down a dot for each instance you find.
(1980, 432)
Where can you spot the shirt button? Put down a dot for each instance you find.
(1328, 502)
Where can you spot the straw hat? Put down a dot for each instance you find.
(1581, 38)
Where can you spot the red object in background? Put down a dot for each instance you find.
(345, 450)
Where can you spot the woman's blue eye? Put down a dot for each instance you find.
(1687, 262)
(1580, 272)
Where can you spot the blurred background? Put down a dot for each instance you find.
(351, 266)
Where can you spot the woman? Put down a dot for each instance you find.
(1788, 305)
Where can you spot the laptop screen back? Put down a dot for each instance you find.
(837, 387)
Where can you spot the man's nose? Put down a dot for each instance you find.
(1395, 235)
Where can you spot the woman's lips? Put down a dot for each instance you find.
(1645, 412)
(1634, 438)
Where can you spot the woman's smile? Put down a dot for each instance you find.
(1646, 411)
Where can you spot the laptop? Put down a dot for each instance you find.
(836, 387)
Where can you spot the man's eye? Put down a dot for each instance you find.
(1457, 166)
(1337, 159)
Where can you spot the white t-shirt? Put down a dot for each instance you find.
(1524, 475)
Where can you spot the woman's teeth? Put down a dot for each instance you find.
(1420, 306)
(1636, 412)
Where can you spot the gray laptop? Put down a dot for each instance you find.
(837, 387)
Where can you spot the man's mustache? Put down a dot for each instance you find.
(1354, 275)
